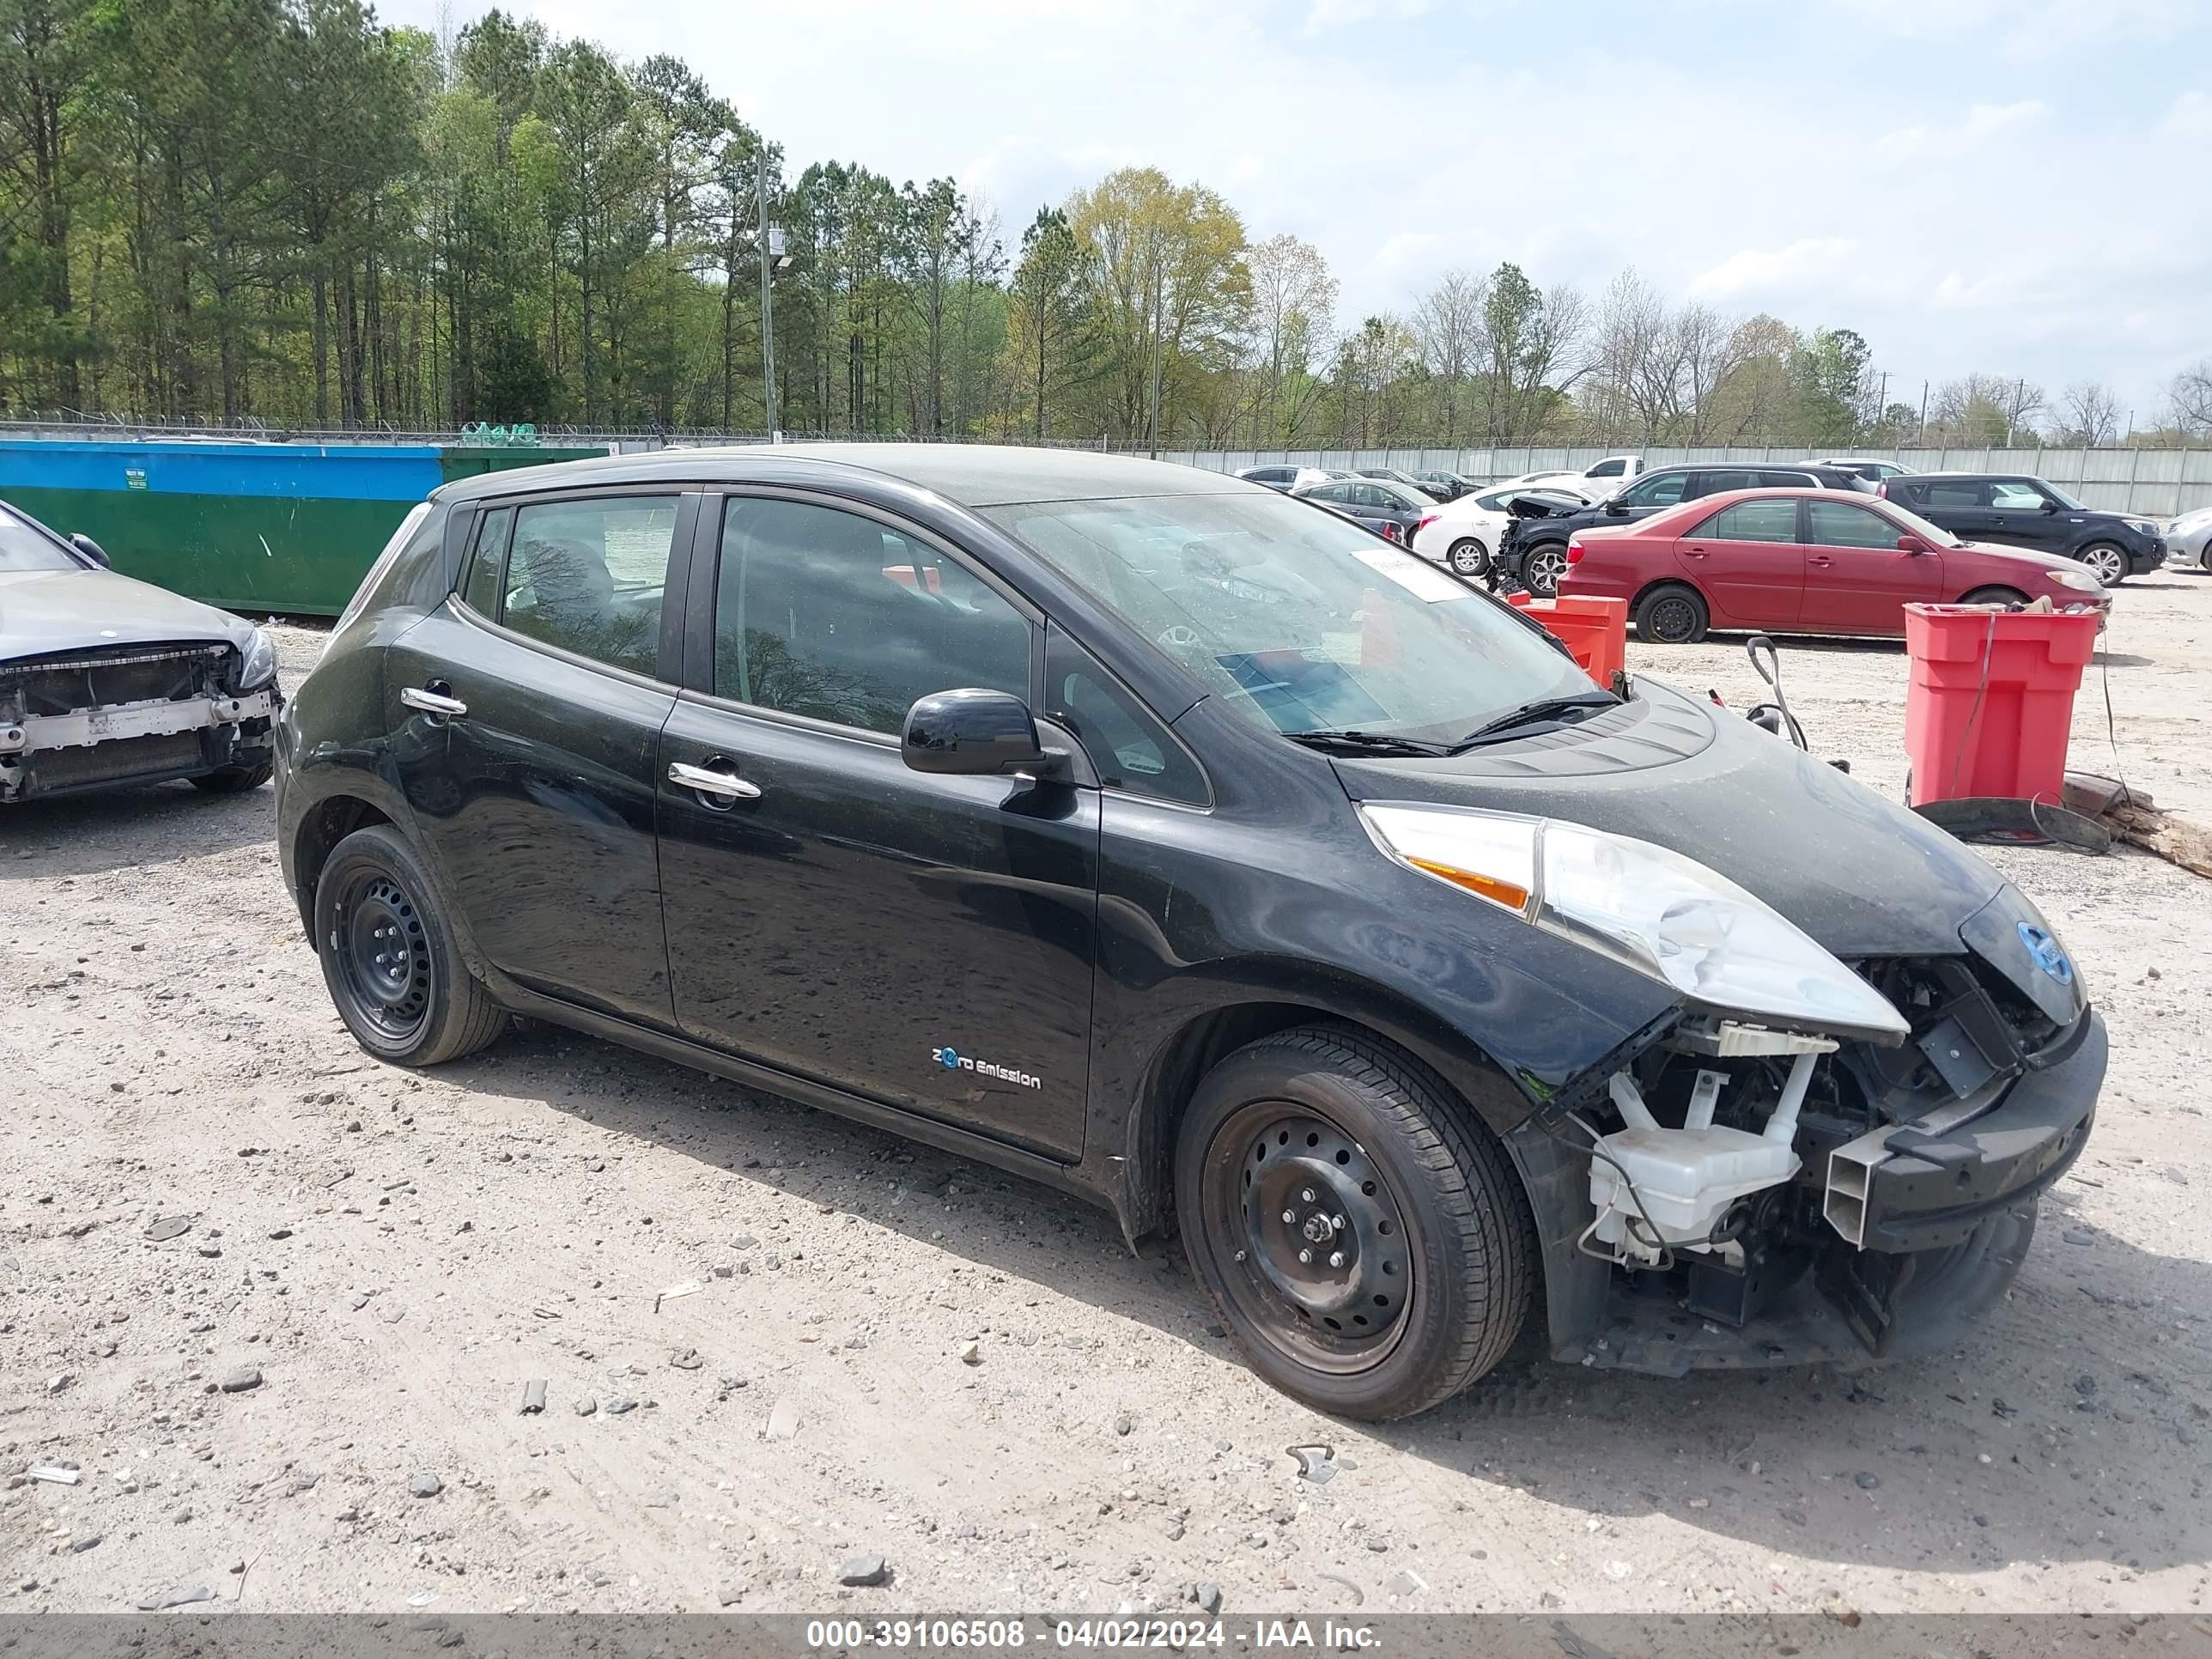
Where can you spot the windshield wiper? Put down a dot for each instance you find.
(1367, 743)
(1531, 713)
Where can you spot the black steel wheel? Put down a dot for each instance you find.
(389, 960)
(1468, 556)
(1673, 615)
(1367, 1244)
(2108, 562)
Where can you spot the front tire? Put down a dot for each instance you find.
(1541, 569)
(389, 956)
(2108, 562)
(1468, 556)
(1418, 1259)
(1673, 614)
(1995, 596)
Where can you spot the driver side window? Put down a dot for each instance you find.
(2020, 497)
(835, 617)
(1663, 491)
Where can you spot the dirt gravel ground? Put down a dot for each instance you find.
(755, 1322)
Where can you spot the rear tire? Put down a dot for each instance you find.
(234, 780)
(1995, 596)
(1468, 556)
(1672, 614)
(2108, 560)
(389, 960)
(1421, 1256)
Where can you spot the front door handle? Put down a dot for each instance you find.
(718, 779)
(436, 704)
(1819, 564)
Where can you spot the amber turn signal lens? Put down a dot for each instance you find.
(1489, 887)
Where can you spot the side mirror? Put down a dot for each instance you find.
(972, 733)
(1909, 543)
(1614, 509)
(91, 550)
(2050, 506)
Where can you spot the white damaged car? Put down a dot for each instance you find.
(105, 680)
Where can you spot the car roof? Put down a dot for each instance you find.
(1969, 477)
(973, 474)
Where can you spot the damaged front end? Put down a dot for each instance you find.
(137, 713)
(1736, 1195)
(1808, 1159)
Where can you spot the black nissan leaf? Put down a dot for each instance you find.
(1149, 834)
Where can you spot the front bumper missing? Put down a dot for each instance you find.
(139, 728)
(1949, 1211)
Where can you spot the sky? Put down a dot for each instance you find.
(2017, 187)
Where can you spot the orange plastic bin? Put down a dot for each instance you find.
(1595, 631)
(1991, 699)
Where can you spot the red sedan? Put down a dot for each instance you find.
(1802, 561)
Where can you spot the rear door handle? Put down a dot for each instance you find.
(1693, 552)
(436, 704)
(717, 778)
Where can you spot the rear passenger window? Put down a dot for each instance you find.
(1955, 495)
(487, 563)
(1130, 747)
(1712, 484)
(588, 576)
(1753, 522)
(827, 614)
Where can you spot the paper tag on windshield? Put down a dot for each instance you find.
(1423, 580)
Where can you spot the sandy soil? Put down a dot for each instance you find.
(786, 1300)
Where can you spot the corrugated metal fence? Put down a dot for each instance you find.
(2159, 482)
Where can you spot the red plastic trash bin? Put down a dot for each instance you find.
(1991, 699)
(1594, 631)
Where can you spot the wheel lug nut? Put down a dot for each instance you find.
(1289, 1216)
(1307, 1195)
(1305, 1256)
(1337, 1222)
(1336, 1258)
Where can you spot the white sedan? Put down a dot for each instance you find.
(1464, 533)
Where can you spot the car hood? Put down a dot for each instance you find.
(1860, 874)
(2017, 558)
(44, 611)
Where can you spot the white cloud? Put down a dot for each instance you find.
(1982, 122)
(1754, 271)
(2189, 117)
(2039, 29)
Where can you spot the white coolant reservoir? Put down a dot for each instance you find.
(1682, 1180)
(1685, 1179)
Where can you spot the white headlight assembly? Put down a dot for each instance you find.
(1646, 906)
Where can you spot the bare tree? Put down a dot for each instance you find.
(1293, 314)
(1447, 325)
(1985, 409)
(2192, 394)
(2089, 413)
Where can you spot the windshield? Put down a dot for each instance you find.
(1297, 619)
(1934, 535)
(24, 546)
(2062, 497)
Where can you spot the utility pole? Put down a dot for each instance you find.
(1923, 415)
(767, 319)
